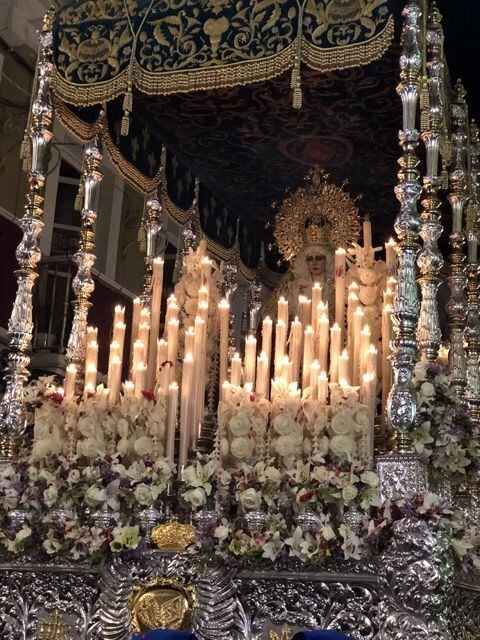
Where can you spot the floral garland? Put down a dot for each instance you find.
(443, 437)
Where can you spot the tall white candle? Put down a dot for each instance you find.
(296, 335)
(189, 339)
(224, 326)
(365, 338)
(307, 356)
(316, 299)
(343, 369)
(118, 336)
(128, 388)
(367, 234)
(323, 388)
(280, 338)
(69, 383)
(185, 411)
(156, 305)
(143, 337)
(267, 347)
(92, 334)
(140, 374)
(323, 338)
(197, 371)
(358, 318)
(387, 334)
(304, 310)
(92, 354)
(282, 310)
(371, 364)
(206, 271)
(335, 350)
(91, 377)
(314, 373)
(138, 352)
(250, 358)
(262, 375)
(172, 348)
(137, 307)
(286, 369)
(172, 421)
(236, 370)
(391, 257)
(162, 367)
(115, 375)
(340, 263)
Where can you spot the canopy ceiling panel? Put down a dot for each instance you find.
(245, 142)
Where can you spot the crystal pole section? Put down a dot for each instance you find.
(458, 197)
(401, 405)
(430, 260)
(20, 326)
(83, 283)
(472, 331)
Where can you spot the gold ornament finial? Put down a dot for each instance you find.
(173, 535)
(319, 213)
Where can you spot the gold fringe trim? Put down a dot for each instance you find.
(241, 73)
(350, 55)
(85, 132)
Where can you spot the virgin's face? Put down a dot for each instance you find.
(316, 265)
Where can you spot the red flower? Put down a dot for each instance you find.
(149, 395)
(306, 496)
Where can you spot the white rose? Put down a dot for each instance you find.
(190, 476)
(284, 424)
(50, 496)
(221, 532)
(241, 448)
(370, 478)
(342, 424)
(321, 474)
(143, 495)
(73, 476)
(25, 532)
(240, 424)
(91, 447)
(427, 389)
(349, 493)
(196, 497)
(224, 447)
(51, 546)
(250, 499)
(143, 445)
(342, 447)
(95, 496)
(285, 445)
(272, 474)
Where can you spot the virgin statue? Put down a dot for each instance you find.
(311, 223)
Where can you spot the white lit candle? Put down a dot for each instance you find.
(340, 263)
(162, 367)
(391, 257)
(267, 326)
(296, 336)
(335, 350)
(282, 310)
(314, 373)
(224, 326)
(115, 375)
(323, 338)
(140, 374)
(307, 356)
(343, 369)
(206, 271)
(185, 411)
(316, 299)
(250, 358)
(156, 305)
(280, 338)
(304, 310)
(367, 234)
(137, 307)
(138, 352)
(387, 331)
(172, 421)
(286, 369)
(236, 370)
(358, 318)
(365, 338)
(69, 383)
(189, 340)
(128, 388)
(172, 347)
(262, 375)
(91, 357)
(323, 388)
(90, 378)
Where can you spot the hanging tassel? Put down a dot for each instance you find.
(78, 206)
(127, 109)
(25, 146)
(444, 178)
(297, 97)
(142, 239)
(424, 95)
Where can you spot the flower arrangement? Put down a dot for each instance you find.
(443, 437)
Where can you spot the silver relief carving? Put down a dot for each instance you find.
(20, 326)
(83, 283)
(401, 405)
(458, 197)
(430, 260)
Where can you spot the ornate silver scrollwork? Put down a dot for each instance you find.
(83, 283)
(458, 197)
(20, 326)
(472, 330)
(254, 304)
(416, 583)
(401, 405)
(430, 260)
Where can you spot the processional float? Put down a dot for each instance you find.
(332, 456)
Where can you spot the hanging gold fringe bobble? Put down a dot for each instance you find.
(296, 80)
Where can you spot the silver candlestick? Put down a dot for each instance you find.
(254, 304)
(403, 471)
(83, 283)
(458, 197)
(20, 326)
(152, 224)
(430, 260)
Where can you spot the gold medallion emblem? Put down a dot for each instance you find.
(162, 604)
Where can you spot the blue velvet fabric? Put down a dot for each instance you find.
(320, 635)
(165, 634)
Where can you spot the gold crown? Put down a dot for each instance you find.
(318, 213)
(173, 535)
